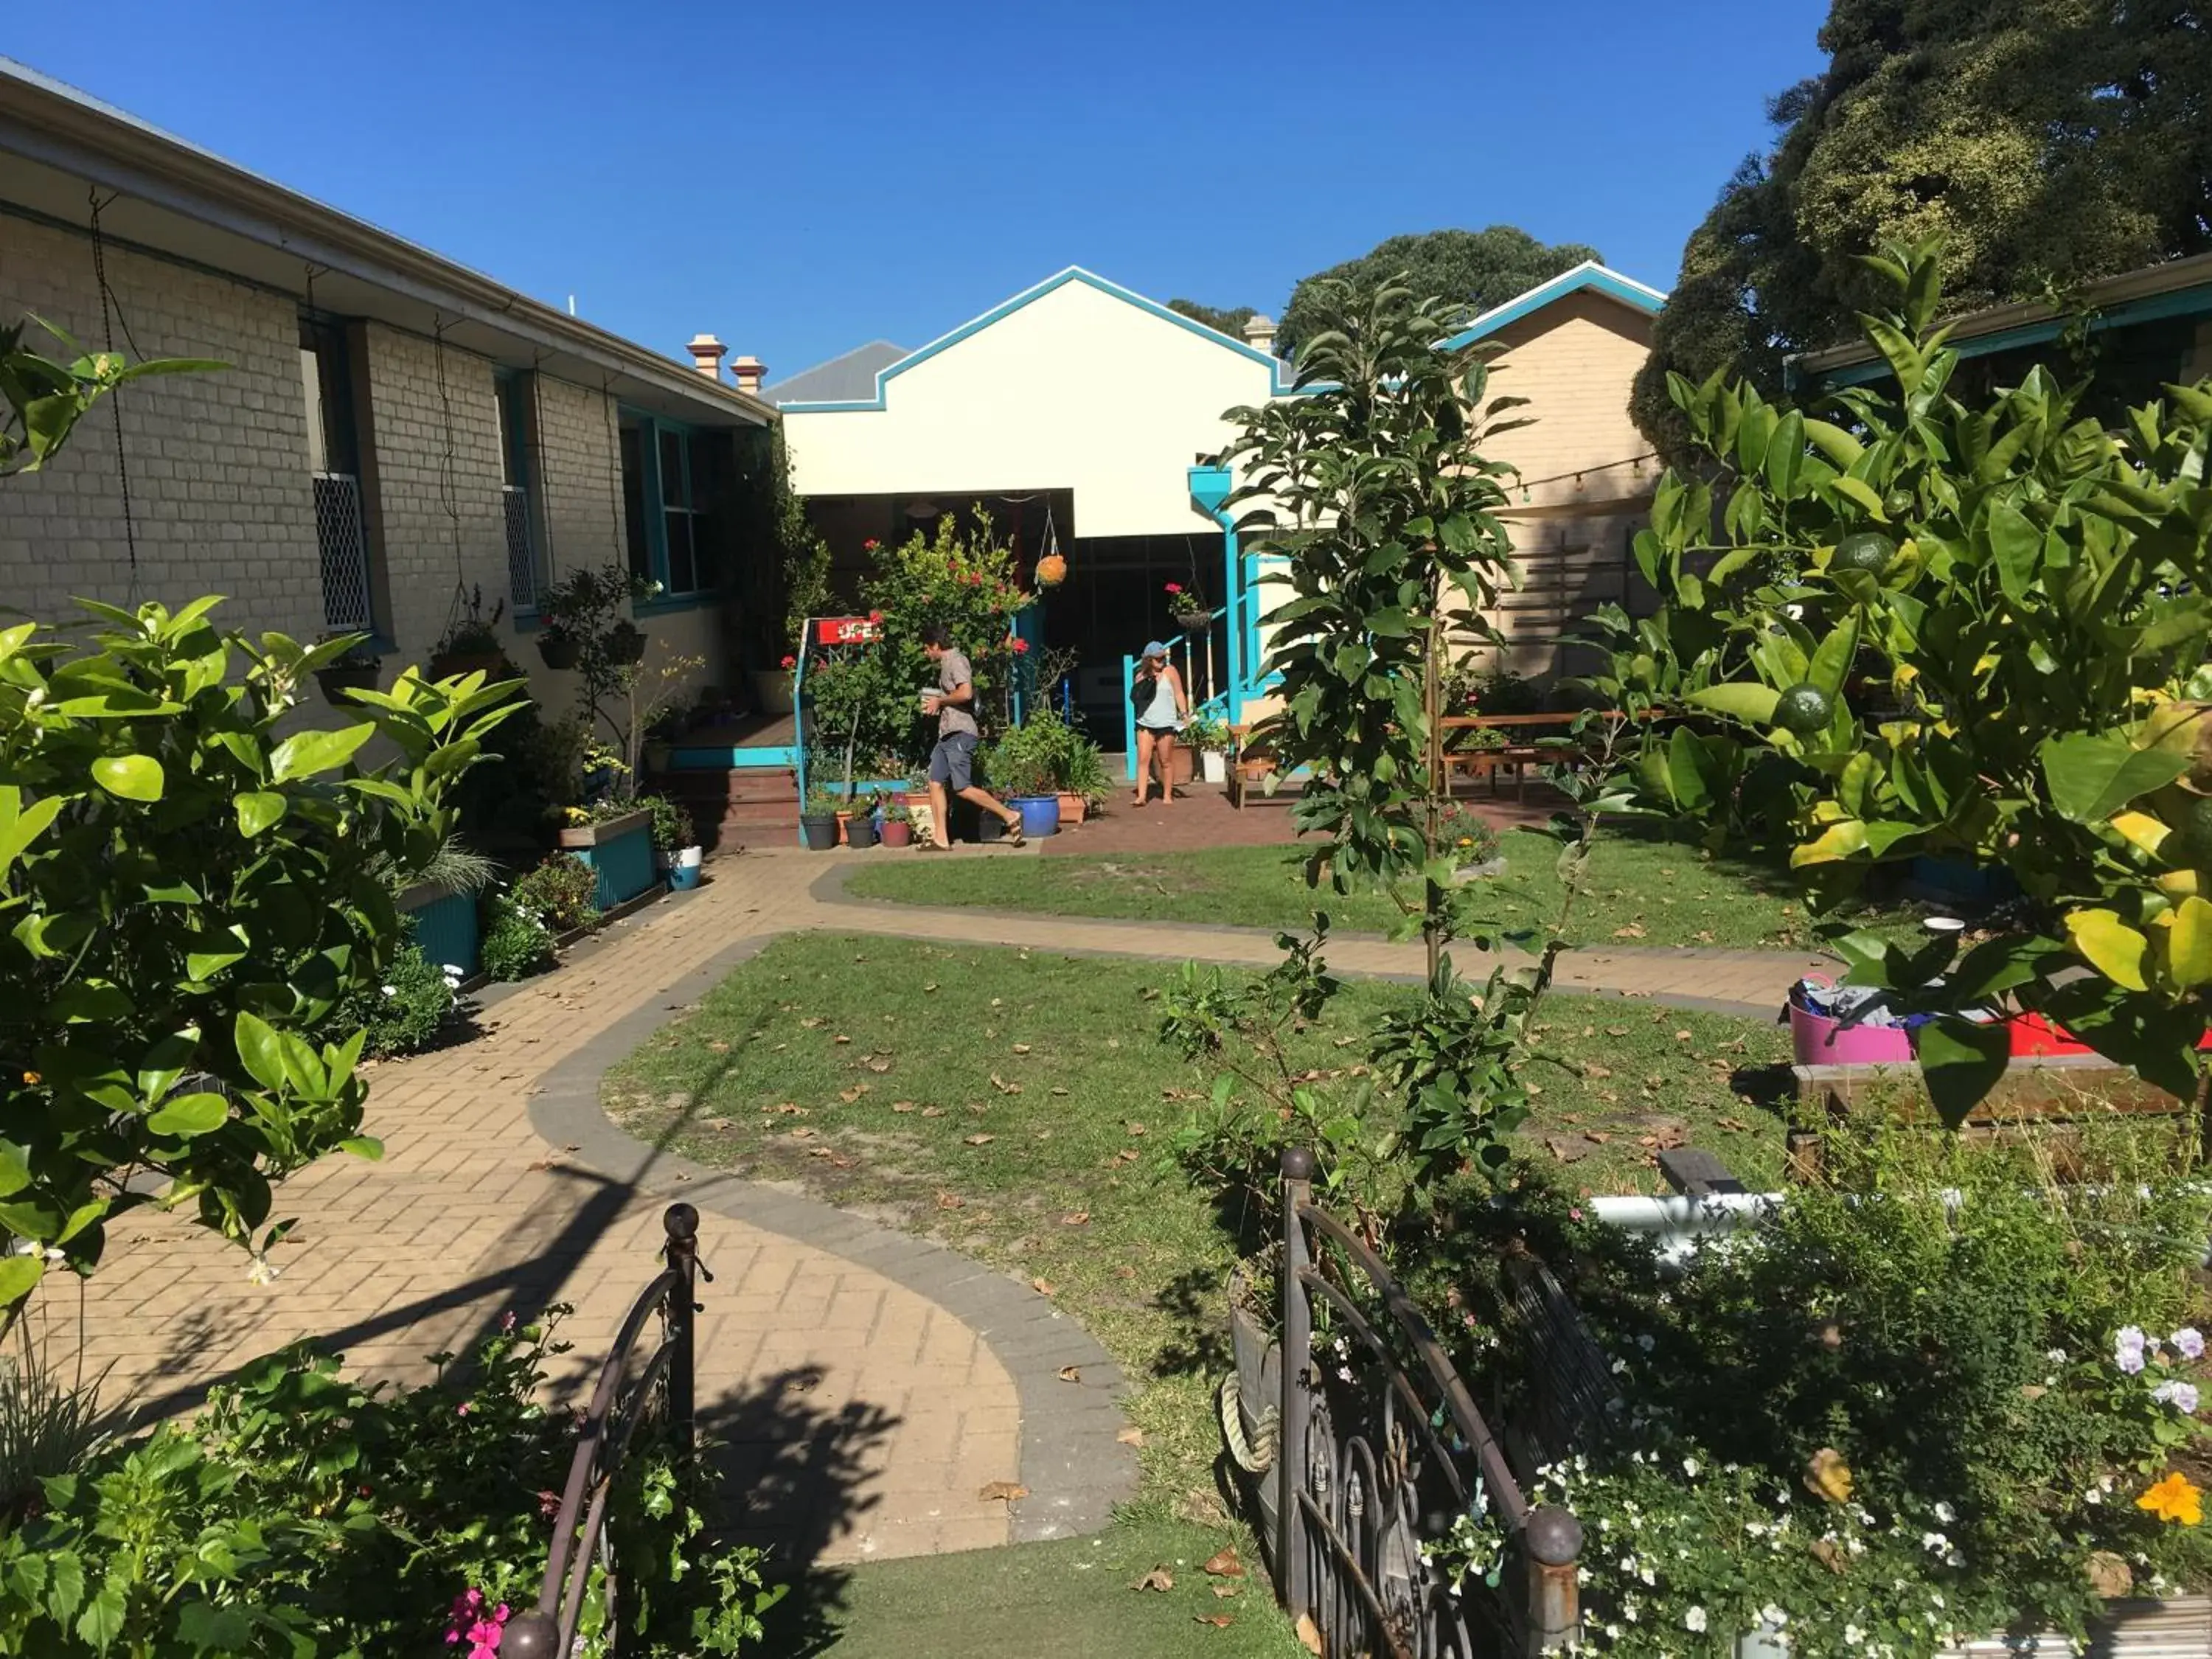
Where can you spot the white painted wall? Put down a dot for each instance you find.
(1078, 389)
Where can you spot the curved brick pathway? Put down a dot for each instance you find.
(868, 1384)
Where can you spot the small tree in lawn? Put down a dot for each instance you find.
(1974, 632)
(1396, 546)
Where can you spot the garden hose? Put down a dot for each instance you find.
(1257, 1455)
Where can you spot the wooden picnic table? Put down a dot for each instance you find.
(1475, 762)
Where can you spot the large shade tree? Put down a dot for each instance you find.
(1471, 269)
(2046, 143)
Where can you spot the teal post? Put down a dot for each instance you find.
(1209, 491)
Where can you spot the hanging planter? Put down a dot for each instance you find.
(343, 676)
(1051, 570)
(1193, 622)
(626, 643)
(558, 650)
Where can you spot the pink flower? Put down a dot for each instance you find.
(791, 662)
(1575, 1214)
(507, 1322)
(1174, 587)
(464, 1408)
(468, 1621)
(875, 615)
(548, 1503)
(1021, 647)
(870, 545)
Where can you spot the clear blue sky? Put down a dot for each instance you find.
(800, 177)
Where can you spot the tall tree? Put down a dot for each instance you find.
(1230, 322)
(1471, 269)
(2047, 141)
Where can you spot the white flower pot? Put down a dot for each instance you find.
(1217, 766)
(689, 858)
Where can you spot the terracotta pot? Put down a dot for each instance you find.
(1074, 809)
(898, 832)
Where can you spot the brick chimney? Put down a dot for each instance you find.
(706, 355)
(749, 373)
(1259, 334)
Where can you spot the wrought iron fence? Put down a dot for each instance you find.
(521, 550)
(1381, 1449)
(621, 1404)
(341, 539)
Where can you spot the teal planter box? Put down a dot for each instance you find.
(620, 853)
(445, 926)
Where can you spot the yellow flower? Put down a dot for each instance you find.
(2174, 1499)
(32, 1078)
(1467, 841)
(576, 815)
(1829, 1476)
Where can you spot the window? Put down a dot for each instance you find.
(517, 432)
(334, 473)
(675, 489)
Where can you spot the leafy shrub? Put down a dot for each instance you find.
(671, 824)
(49, 1423)
(516, 945)
(560, 893)
(302, 1514)
(1889, 1411)
(1465, 836)
(406, 1013)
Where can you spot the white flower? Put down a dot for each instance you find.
(1650, 1578)
(2055, 1355)
(262, 1270)
(1645, 1342)
(1344, 1373)
(390, 992)
(2093, 1495)
(1619, 1367)
(1770, 1615)
(1946, 1514)
(1934, 1543)
(1694, 1620)
(1853, 1635)
(1690, 1468)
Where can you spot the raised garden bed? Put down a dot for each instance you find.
(445, 927)
(620, 853)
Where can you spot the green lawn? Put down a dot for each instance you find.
(1637, 892)
(1015, 1104)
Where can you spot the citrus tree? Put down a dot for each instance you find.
(1919, 627)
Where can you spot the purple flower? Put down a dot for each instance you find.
(2182, 1396)
(2128, 1349)
(2191, 1341)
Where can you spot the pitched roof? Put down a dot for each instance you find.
(1587, 276)
(873, 398)
(852, 375)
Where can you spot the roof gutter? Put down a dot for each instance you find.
(61, 130)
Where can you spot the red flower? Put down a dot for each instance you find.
(791, 662)
(875, 615)
(1020, 647)
(974, 579)
(1174, 587)
(870, 545)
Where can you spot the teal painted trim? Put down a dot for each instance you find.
(1210, 489)
(1129, 716)
(446, 928)
(623, 867)
(1587, 277)
(668, 602)
(734, 758)
(1283, 373)
(2152, 308)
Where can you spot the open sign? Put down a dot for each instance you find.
(846, 630)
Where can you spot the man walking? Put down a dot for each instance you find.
(951, 763)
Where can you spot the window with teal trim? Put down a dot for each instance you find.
(676, 487)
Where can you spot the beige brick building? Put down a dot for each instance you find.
(393, 431)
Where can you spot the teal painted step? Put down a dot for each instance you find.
(622, 863)
(446, 928)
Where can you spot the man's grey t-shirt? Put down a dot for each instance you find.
(953, 672)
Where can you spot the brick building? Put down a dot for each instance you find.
(393, 431)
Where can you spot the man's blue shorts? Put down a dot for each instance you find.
(953, 763)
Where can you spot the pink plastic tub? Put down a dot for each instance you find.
(1820, 1041)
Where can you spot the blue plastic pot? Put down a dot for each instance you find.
(1040, 814)
(683, 877)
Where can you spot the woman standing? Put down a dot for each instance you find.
(1162, 706)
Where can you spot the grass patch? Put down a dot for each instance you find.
(1638, 892)
(1014, 1104)
(1071, 1598)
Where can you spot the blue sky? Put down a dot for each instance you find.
(799, 178)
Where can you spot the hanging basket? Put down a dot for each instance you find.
(626, 644)
(1051, 570)
(558, 651)
(1193, 622)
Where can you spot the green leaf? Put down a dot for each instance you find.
(2018, 547)
(260, 1052)
(1961, 1061)
(1832, 660)
(1861, 494)
(2110, 946)
(370, 1148)
(209, 1627)
(2093, 775)
(2189, 944)
(129, 777)
(64, 1583)
(306, 753)
(258, 809)
(191, 1114)
(1785, 455)
(101, 1622)
(19, 825)
(18, 1275)
(15, 1169)
(1754, 704)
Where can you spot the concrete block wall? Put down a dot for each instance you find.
(219, 491)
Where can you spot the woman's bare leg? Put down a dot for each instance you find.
(1167, 748)
(1143, 764)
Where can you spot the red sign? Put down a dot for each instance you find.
(846, 630)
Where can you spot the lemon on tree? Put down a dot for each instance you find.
(1866, 550)
(1803, 709)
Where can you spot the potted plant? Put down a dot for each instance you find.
(1208, 735)
(354, 669)
(625, 643)
(856, 822)
(1030, 789)
(1187, 605)
(898, 824)
(471, 643)
(557, 646)
(1470, 842)
(1051, 570)
(672, 828)
(818, 819)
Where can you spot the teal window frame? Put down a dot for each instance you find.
(655, 506)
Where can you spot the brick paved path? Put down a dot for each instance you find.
(870, 1384)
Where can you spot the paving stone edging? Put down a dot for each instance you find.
(1076, 1468)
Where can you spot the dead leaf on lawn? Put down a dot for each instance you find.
(979, 1139)
(1218, 1621)
(1224, 1591)
(1002, 1491)
(1616, 1031)
(1310, 1636)
(802, 1133)
(822, 1152)
(977, 1108)
(1127, 1155)
(813, 1020)
(842, 1163)
(878, 1063)
(1682, 1036)
(1596, 1070)
(789, 1109)
(1125, 1272)
(1059, 1091)
(1003, 1086)
(841, 1039)
(1568, 1149)
(1598, 1136)
(950, 1200)
(1076, 1218)
(932, 986)
(1042, 1287)
(1071, 1373)
(1159, 1578)
(1131, 1437)
(932, 1111)
(1021, 1048)
(1223, 1564)
(1135, 1128)
(718, 1045)
(848, 1095)
(1633, 930)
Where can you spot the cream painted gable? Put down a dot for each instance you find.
(1082, 386)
